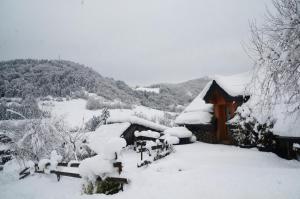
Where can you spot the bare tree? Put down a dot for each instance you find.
(276, 47)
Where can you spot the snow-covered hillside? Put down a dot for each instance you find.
(197, 170)
(75, 113)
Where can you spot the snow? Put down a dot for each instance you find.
(136, 120)
(102, 164)
(194, 171)
(200, 116)
(296, 146)
(106, 144)
(95, 166)
(193, 139)
(55, 159)
(148, 133)
(234, 85)
(170, 139)
(75, 114)
(151, 90)
(197, 112)
(30, 164)
(180, 132)
(286, 124)
(110, 130)
(42, 164)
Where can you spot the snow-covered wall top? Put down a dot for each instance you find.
(136, 120)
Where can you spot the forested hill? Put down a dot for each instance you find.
(20, 78)
(39, 78)
(185, 91)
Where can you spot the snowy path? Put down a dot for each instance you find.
(195, 171)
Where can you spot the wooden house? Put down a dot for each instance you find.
(208, 113)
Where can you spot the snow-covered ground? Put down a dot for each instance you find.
(197, 170)
(75, 113)
(146, 89)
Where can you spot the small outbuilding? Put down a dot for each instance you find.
(125, 127)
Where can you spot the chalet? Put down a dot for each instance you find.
(207, 114)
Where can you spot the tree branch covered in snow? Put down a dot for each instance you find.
(277, 53)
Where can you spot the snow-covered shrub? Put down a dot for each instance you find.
(246, 130)
(93, 123)
(243, 127)
(39, 138)
(96, 121)
(75, 146)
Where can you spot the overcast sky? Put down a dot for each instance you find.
(138, 41)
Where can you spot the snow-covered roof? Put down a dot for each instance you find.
(136, 120)
(180, 132)
(109, 130)
(104, 133)
(234, 85)
(199, 112)
(286, 124)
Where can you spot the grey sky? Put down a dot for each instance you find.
(138, 41)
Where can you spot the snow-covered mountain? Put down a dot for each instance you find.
(58, 78)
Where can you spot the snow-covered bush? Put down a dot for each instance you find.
(246, 130)
(96, 121)
(75, 147)
(39, 138)
(93, 123)
(243, 127)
